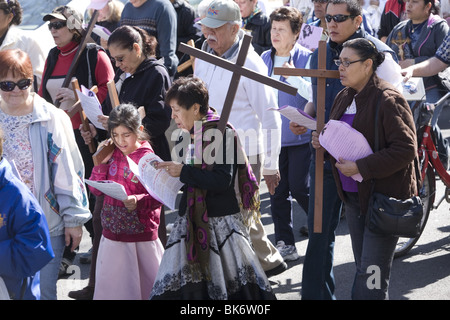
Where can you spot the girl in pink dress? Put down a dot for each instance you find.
(130, 251)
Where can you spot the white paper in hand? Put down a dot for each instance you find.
(110, 188)
(298, 116)
(159, 184)
(91, 106)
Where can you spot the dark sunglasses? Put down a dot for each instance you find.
(9, 85)
(338, 18)
(56, 25)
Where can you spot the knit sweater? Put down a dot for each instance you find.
(118, 223)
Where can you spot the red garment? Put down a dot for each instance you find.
(396, 7)
(118, 223)
(103, 73)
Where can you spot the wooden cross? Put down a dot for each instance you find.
(321, 74)
(238, 70)
(190, 62)
(400, 42)
(77, 108)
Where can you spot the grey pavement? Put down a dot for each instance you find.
(423, 274)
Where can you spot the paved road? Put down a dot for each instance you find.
(421, 275)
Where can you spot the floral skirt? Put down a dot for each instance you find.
(235, 271)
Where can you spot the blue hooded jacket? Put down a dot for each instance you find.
(24, 237)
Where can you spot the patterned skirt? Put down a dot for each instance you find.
(235, 272)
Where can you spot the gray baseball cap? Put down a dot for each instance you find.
(220, 12)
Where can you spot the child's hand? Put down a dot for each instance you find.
(130, 203)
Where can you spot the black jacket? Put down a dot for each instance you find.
(147, 87)
(259, 25)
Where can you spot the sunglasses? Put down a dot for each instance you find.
(346, 63)
(338, 18)
(9, 85)
(56, 25)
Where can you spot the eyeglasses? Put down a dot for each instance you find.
(9, 85)
(338, 18)
(320, 1)
(56, 25)
(346, 63)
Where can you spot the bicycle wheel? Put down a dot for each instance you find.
(427, 194)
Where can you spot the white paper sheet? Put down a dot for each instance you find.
(159, 184)
(91, 106)
(298, 116)
(342, 141)
(110, 188)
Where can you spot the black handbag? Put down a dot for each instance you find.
(390, 216)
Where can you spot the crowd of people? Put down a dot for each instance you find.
(218, 247)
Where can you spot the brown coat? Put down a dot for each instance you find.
(392, 166)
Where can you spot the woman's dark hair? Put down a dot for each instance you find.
(17, 62)
(127, 115)
(126, 36)
(12, 6)
(434, 9)
(293, 15)
(188, 91)
(353, 6)
(365, 49)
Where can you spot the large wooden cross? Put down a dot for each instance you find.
(238, 70)
(321, 73)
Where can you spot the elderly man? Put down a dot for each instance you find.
(221, 28)
(344, 19)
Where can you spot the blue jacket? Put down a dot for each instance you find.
(299, 57)
(24, 237)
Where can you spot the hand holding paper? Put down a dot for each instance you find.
(298, 116)
(344, 142)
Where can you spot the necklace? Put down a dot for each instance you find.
(68, 53)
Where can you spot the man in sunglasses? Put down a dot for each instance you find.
(344, 18)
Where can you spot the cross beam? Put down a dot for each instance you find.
(238, 70)
(321, 74)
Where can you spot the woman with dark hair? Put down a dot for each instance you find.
(40, 140)
(209, 253)
(391, 168)
(418, 38)
(12, 37)
(142, 80)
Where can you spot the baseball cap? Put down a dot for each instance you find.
(74, 18)
(220, 12)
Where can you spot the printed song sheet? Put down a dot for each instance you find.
(159, 184)
(342, 141)
(91, 106)
(298, 116)
(110, 188)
